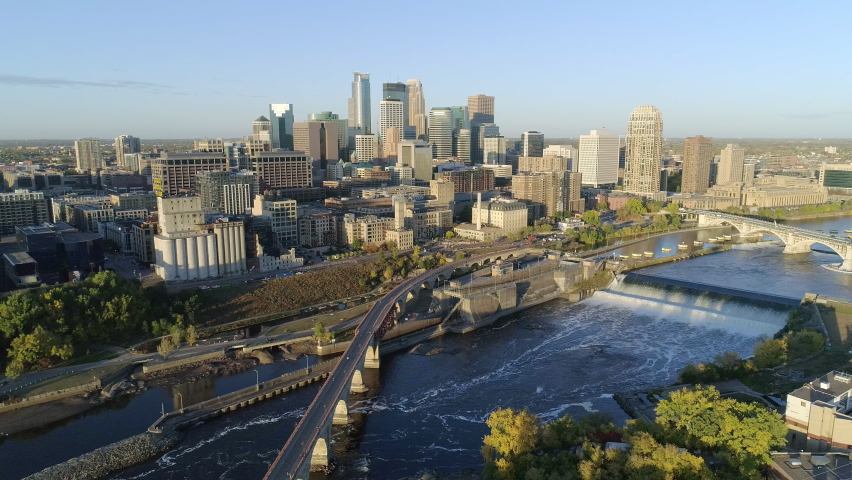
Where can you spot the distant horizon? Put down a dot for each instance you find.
(546, 138)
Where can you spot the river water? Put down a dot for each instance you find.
(429, 411)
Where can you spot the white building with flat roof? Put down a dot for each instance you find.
(598, 158)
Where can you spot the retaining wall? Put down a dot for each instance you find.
(148, 368)
(50, 396)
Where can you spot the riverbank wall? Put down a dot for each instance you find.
(111, 458)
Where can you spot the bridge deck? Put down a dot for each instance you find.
(300, 445)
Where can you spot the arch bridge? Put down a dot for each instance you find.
(309, 445)
(796, 240)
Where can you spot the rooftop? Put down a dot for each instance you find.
(19, 258)
(825, 388)
(806, 466)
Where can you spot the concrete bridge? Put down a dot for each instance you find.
(308, 446)
(796, 240)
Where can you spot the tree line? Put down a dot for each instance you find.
(694, 431)
(40, 327)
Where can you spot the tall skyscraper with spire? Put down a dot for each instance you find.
(417, 116)
(281, 117)
(644, 156)
(359, 103)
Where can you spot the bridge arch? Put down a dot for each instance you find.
(319, 456)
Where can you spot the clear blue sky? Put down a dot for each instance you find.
(184, 69)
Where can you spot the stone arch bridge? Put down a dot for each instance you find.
(796, 240)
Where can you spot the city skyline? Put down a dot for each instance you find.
(705, 82)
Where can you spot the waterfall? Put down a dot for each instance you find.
(694, 307)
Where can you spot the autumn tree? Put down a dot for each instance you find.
(770, 353)
(512, 439)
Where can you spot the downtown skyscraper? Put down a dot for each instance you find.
(125, 144)
(480, 109)
(730, 169)
(359, 104)
(397, 91)
(88, 152)
(441, 131)
(391, 114)
(644, 154)
(417, 115)
(281, 117)
(697, 157)
(598, 158)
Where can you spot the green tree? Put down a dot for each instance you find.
(672, 208)
(592, 218)
(319, 331)
(512, 438)
(649, 460)
(803, 343)
(39, 346)
(166, 347)
(602, 206)
(450, 234)
(770, 353)
(415, 256)
(388, 273)
(654, 206)
(191, 335)
(357, 244)
(634, 207)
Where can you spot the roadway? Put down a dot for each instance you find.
(299, 446)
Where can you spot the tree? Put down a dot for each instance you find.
(319, 331)
(191, 335)
(166, 347)
(770, 353)
(513, 436)
(602, 206)
(388, 273)
(450, 234)
(654, 206)
(743, 432)
(634, 207)
(415, 256)
(728, 361)
(27, 350)
(649, 460)
(803, 343)
(672, 208)
(592, 218)
(357, 244)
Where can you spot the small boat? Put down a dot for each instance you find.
(833, 232)
(666, 250)
(819, 231)
(697, 243)
(637, 255)
(649, 254)
(623, 256)
(728, 237)
(712, 240)
(681, 246)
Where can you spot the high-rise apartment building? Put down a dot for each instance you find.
(598, 158)
(481, 109)
(177, 173)
(478, 132)
(441, 131)
(261, 130)
(231, 193)
(125, 144)
(417, 155)
(342, 128)
(398, 91)
(558, 191)
(88, 152)
(365, 148)
(567, 151)
(494, 150)
(417, 108)
(393, 136)
(546, 163)
(283, 217)
(281, 120)
(280, 169)
(644, 151)
(532, 144)
(319, 140)
(730, 169)
(697, 157)
(21, 208)
(391, 114)
(359, 103)
(461, 145)
(472, 180)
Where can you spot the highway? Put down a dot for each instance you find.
(299, 447)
